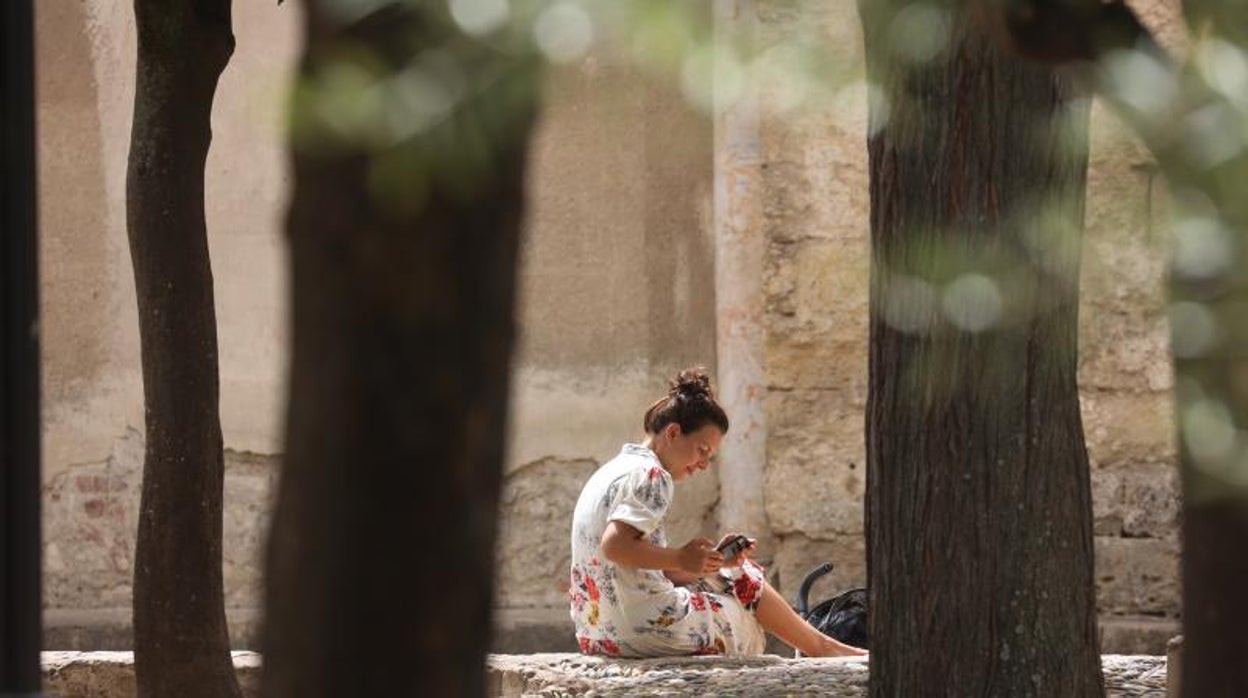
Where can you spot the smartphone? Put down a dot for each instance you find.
(732, 546)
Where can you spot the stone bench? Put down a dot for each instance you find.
(111, 675)
(1135, 676)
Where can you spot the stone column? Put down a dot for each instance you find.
(739, 256)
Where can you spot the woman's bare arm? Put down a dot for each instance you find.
(625, 546)
(679, 578)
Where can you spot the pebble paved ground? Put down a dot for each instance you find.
(551, 675)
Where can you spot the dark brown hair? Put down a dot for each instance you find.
(689, 402)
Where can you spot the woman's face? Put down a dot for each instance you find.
(684, 454)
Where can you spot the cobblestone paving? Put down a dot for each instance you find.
(552, 675)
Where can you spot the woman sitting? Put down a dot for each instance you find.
(632, 595)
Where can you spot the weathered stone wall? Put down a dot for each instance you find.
(816, 206)
(1125, 375)
(817, 228)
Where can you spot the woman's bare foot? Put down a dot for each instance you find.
(832, 648)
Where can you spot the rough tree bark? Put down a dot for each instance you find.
(979, 513)
(380, 559)
(1192, 120)
(181, 642)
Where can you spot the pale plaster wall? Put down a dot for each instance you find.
(93, 410)
(617, 295)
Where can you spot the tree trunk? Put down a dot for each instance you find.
(181, 642)
(380, 559)
(20, 541)
(979, 513)
(1207, 300)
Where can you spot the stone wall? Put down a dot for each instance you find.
(817, 230)
(617, 293)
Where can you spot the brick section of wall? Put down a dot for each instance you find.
(90, 519)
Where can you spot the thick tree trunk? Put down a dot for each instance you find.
(181, 642)
(20, 542)
(979, 514)
(380, 559)
(1214, 570)
(1208, 301)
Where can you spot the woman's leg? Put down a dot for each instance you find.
(780, 620)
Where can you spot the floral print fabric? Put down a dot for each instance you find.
(623, 611)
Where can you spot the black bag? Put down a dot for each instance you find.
(843, 616)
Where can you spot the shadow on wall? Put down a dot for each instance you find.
(76, 312)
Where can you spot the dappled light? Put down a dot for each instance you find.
(1141, 80)
(1193, 330)
(564, 32)
(1203, 248)
(480, 17)
(908, 303)
(1212, 438)
(441, 110)
(920, 32)
(972, 302)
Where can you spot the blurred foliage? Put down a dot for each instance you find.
(432, 107)
(1191, 111)
(1193, 115)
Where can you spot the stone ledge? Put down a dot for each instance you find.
(516, 631)
(111, 675)
(1126, 676)
(1137, 634)
(766, 675)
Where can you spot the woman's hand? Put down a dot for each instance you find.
(699, 557)
(736, 560)
(627, 547)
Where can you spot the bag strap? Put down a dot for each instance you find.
(803, 592)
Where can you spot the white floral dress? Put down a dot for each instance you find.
(630, 612)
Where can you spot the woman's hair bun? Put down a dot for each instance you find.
(689, 402)
(692, 382)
